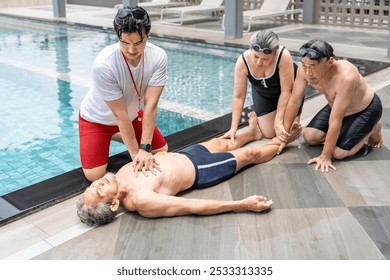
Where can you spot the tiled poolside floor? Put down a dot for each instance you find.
(338, 215)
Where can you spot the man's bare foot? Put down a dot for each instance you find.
(295, 132)
(375, 140)
(254, 126)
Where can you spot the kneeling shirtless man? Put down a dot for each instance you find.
(350, 122)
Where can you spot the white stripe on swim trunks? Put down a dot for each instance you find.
(215, 163)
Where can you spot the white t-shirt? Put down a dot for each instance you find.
(111, 80)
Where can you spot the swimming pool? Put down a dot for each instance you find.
(45, 73)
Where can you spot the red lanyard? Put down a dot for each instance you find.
(132, 78)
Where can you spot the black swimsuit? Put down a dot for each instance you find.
(266, 90)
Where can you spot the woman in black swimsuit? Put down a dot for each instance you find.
(271, 72)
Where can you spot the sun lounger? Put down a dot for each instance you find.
(269, 9)
(206, 6)
(156, 4)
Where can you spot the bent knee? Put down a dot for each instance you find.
(96, 173)
(267, 131)
(313, 136)
(162, 149)
(310, 140)
(269, 134)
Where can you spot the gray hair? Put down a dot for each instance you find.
(91, 216)
(265, 39)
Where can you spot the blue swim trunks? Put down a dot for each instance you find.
(211, 168)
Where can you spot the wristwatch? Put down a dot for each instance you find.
(146, 147)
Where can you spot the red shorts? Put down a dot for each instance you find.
(95, 140)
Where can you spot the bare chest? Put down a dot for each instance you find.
(328, 90)
(177, 174)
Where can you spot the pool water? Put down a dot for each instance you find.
(45, 73)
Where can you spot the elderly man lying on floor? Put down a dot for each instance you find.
(197, 166)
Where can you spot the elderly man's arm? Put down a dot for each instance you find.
(153, 205)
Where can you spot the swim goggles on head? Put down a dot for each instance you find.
(257, 48)
(312, 54)
(126, 13)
